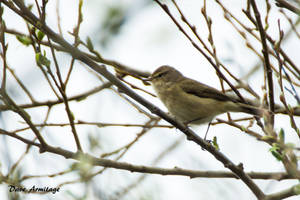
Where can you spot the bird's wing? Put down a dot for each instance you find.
(204, 91)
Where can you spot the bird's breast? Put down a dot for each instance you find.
(187, 107)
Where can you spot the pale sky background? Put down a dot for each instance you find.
(147, 40)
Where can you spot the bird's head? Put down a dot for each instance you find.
(164, 75)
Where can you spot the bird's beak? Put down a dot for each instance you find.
(150, 78)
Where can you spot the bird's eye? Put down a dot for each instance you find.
(160, 75)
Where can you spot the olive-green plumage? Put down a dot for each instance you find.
(191, 101)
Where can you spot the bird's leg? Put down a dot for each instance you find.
(209, 141)
(186, 123)
(207, 132)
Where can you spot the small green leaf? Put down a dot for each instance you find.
(40, 35)
(80, 10)
(275, 152)
(24, 40)
(30, 6)
(277, 155)
(42, 60)
(89, 43)
(266, 27)
(80, 4)
(244, 128)
(215, 143)
(281, 135)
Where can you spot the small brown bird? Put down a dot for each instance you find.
(192, 102)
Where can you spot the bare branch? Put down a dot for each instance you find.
(285, 4)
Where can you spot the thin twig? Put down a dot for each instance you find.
(51, 103)
(266, 61)
(285, 4)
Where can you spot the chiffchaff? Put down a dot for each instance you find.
(192, 102)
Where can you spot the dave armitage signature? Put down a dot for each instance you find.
(33, 189)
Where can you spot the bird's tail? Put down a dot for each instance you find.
(253, 110)
(250, 109)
